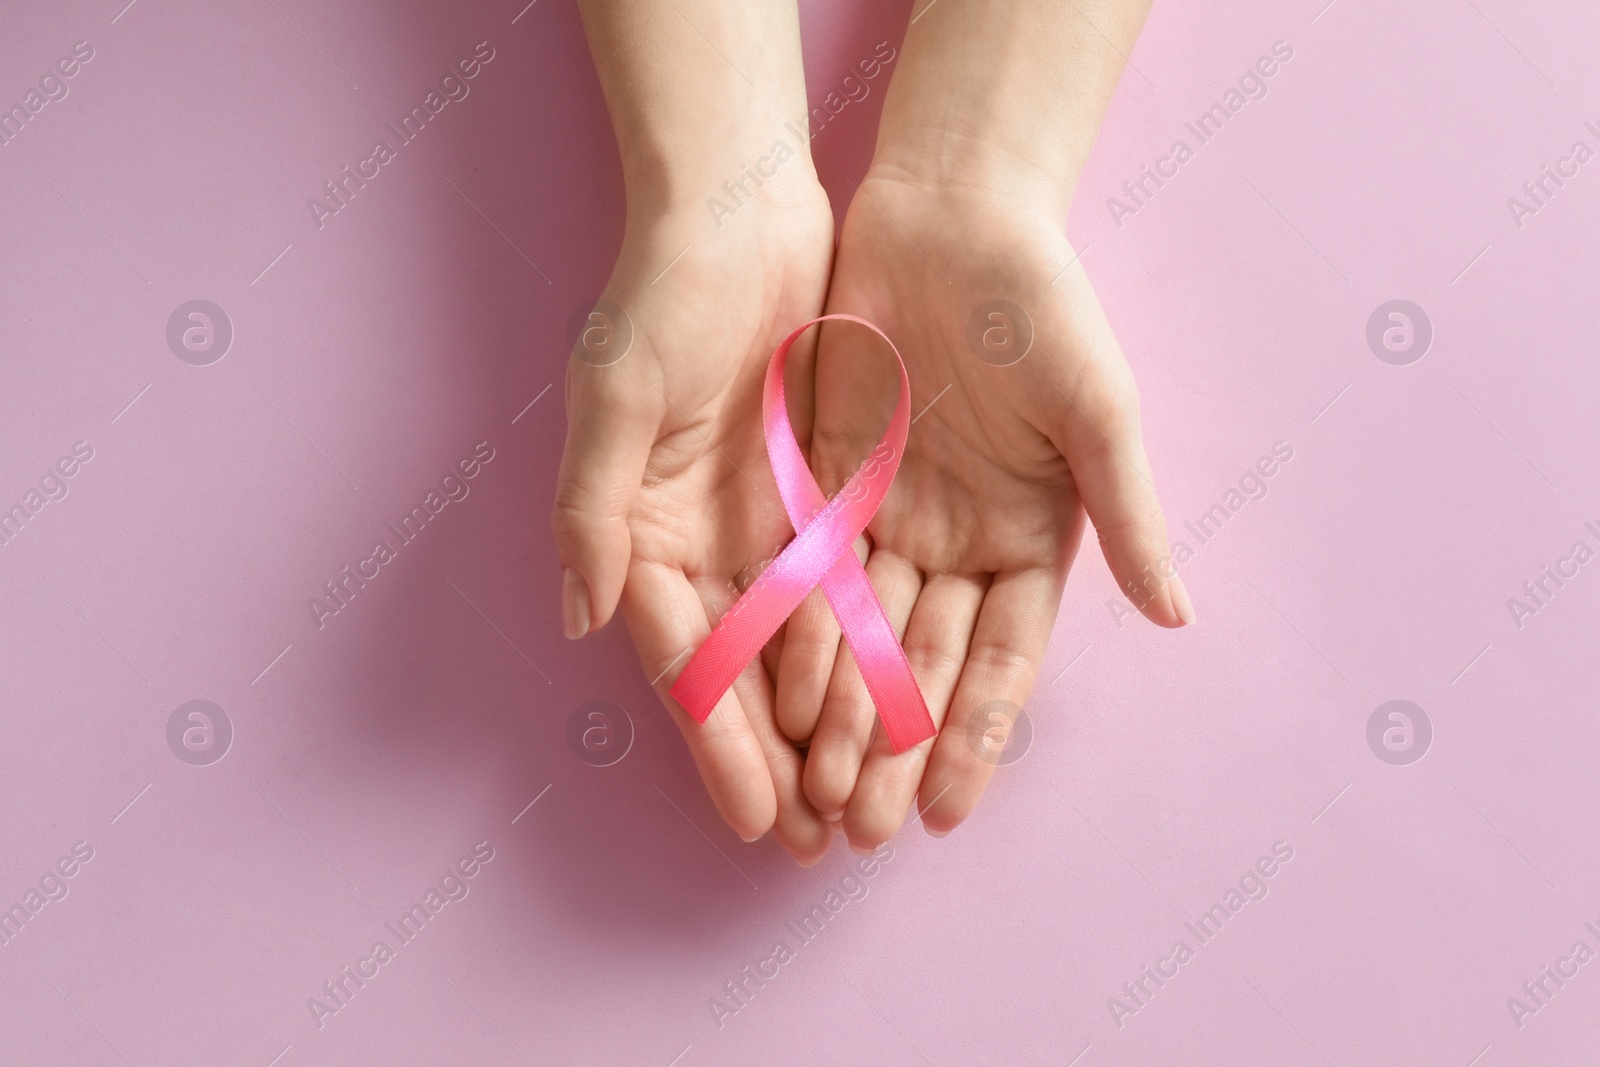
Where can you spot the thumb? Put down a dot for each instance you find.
(610, 431)
(1099, 434)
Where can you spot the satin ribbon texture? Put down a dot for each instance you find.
(822, 551)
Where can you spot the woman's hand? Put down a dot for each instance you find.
(1026, 415)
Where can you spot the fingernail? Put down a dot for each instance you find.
(1181, 602)
(858, 850)
(935, 833)
(751, 840)
(830, 816)
(574, 604)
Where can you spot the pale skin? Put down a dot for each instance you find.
(665, 496)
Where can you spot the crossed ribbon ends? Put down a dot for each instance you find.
(822, 551)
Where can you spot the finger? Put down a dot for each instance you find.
(665, 615)
(612, 419)
(810, 647)
(772, 651)
(797, 826)
(1007, 647)
(844, 728)
(1098, 432)
(937, 641)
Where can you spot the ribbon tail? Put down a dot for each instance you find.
(877, 650)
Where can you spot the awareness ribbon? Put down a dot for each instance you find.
(822, 551)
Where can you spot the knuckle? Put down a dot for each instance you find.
(828, 796)
(930, 660)
(1148, 523)
(1113, 401)
(1000, 659)
(870, 825)
(583, 511)
(1120, 421)
(572, 522)
(815, 652)
(784, 762)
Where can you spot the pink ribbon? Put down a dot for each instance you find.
(822, 551)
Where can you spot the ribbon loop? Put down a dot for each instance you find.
(822, 551)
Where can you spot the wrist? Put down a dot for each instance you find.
(697, 90)
(1005, 99)
(978, 168)
(712, 180)
(786, 218)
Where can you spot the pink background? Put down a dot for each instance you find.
(372, 754)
